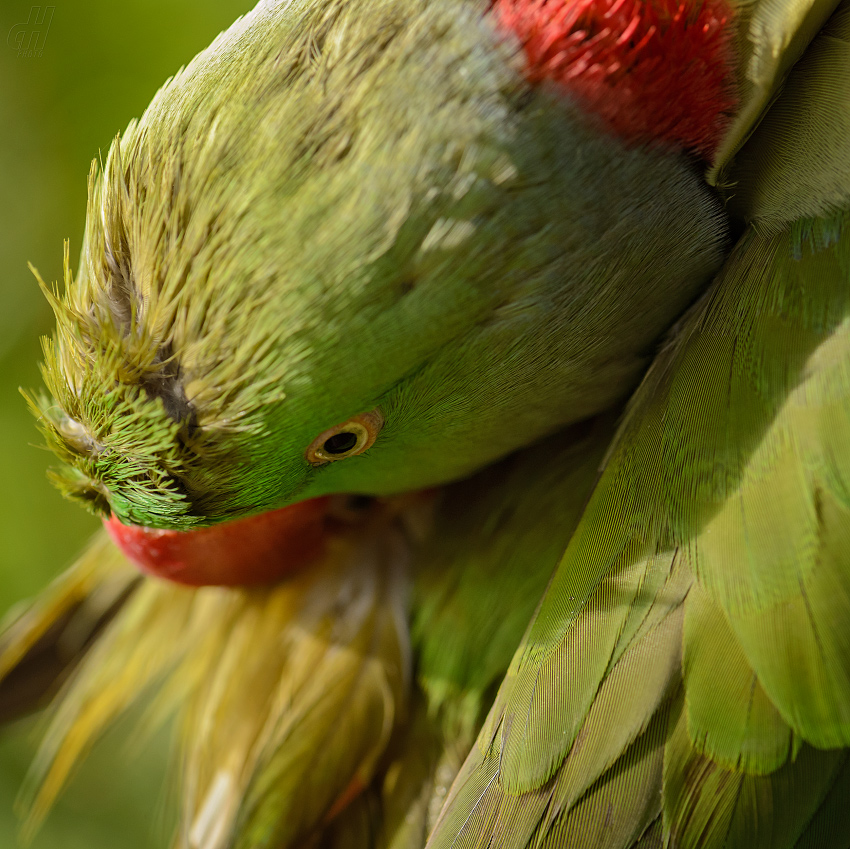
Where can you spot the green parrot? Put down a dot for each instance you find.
(471, 380)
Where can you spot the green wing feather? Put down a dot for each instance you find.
(706, 590)
(797, 163)
(708, 806)
(497, 538)
(728, 712)
(772, 36)
(732, 468)
(830, 822)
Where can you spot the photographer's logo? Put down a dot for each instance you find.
(28, 38)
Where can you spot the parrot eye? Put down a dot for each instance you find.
(346, 439)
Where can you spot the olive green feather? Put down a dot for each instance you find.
(706, 805)
(482, 572)
(729, 716)
(830, 823)
(772, 35)
(751, 500)
(797, 163)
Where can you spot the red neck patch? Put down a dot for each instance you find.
(650, 69)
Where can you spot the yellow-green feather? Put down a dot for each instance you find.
(771, 36)
(732, 471)
(797, 163)
(729, 716)
(730, 460)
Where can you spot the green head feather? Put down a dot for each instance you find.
(346, 206)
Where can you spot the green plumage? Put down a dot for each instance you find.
(384, 215)
(347, 206)
(730, 468)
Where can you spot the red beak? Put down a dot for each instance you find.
(258, 550)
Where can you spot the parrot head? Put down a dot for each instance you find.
(369, 248)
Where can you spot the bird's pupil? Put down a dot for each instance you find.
(341, 442)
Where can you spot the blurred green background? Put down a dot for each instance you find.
(96, 67)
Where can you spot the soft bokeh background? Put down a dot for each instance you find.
(97, 67)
